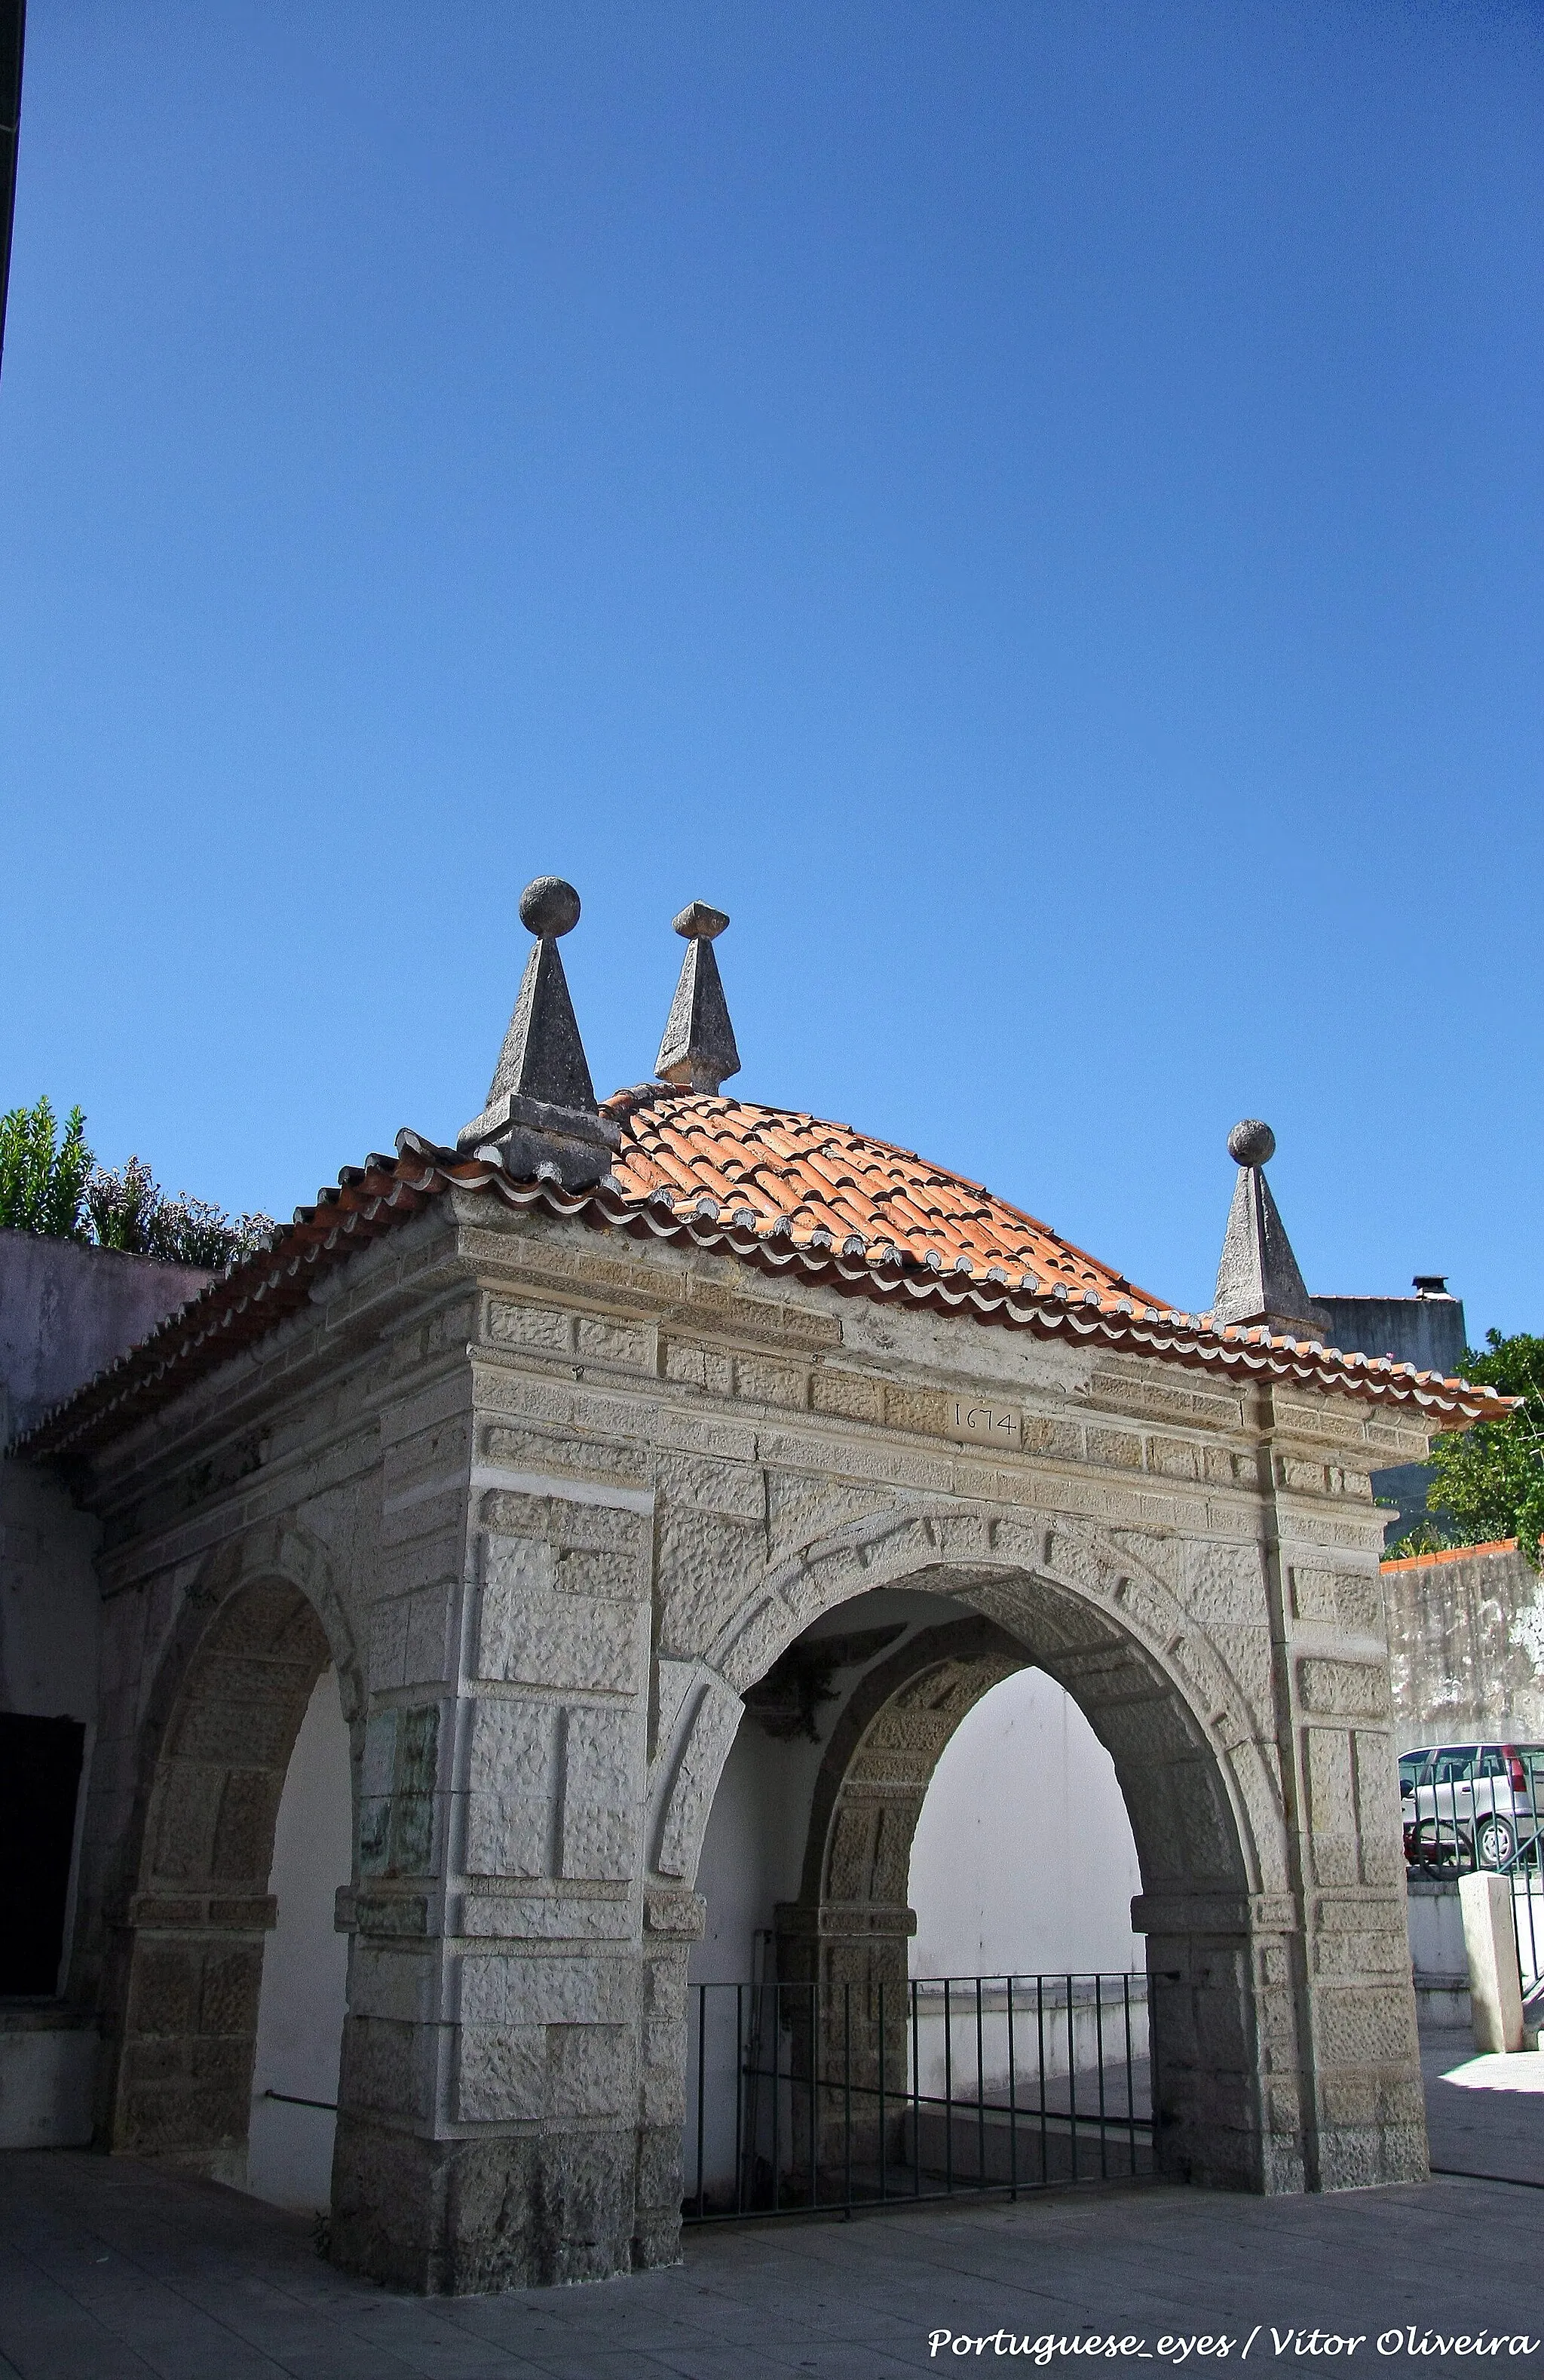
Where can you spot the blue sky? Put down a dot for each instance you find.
(1035, 509)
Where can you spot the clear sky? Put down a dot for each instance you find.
(1035, 508)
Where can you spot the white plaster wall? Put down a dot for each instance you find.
(753, 1850)
(1023, 1860)
(304, 1974)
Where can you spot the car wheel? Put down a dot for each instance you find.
(1494, 1843)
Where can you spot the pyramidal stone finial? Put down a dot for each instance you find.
(1257, 1280)
(698, 1048)
(541, 1118)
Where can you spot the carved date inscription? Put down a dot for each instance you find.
(976, 1422)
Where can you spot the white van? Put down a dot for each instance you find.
(1472, 1804)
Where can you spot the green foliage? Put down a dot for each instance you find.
(1490, 1480)
(129, 1210)
(56, 1189)
(1424, 1538)
(42, 1178)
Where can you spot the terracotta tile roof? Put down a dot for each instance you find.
(777, 1190)
(835, 1187)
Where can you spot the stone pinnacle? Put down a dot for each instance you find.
(698, 1050)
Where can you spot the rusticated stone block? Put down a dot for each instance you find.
(659, 2171)
(526, 2212)
(854, 1396)
(1349, 1689)
(693, 1366)
(601, 1791)
(1367, 2025)
(592, 2071)
(501, 2073)
(391, 1983)
(566, 1453)
(708, 1564)
(228, 1998)
(764, 1381)
(154, 2058)
(537, 1329)
(1044, 1435)
(913, 1407)
(1121, 1449)
(167, 1986)
(244, 1834)
(512, 1775)
(547, 1988)
(1174, 1458)
(382, 2067)
(629, 1345)
(530, 1634)
(738, 1489)
(396, 1799)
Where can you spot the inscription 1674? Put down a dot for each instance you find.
(976, 1422)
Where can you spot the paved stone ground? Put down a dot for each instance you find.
(109, 2270)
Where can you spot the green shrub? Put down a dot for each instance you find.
(1488, 1482)
(56, 1189)
(128, 1209)
(42, 1178)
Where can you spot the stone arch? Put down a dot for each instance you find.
(1093, 1614)
(229, 1698)
(879, 1762)
(1192, 1752)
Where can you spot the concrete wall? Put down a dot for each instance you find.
(1426, 1330)
(67, 1312)
(49, 2057)
(1467, 1648)
(49, 1606)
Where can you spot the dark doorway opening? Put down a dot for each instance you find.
(39, 1781)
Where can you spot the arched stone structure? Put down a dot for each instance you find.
(849, 1927)
(585, 1469)
(223, 1717)
(1250, 2015)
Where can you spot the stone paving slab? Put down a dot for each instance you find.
(113, 2270)
(1485, 2115)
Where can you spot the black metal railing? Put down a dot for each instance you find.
(803, 2097)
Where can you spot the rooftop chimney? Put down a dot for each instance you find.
(1257, 1280)
(698, 1048)
(541, 1120)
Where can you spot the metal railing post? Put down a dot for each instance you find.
(1012, 2100)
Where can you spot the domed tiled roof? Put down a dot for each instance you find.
(835, 1187)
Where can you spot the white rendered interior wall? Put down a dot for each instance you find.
(1023, 1860)
(305, 1975)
